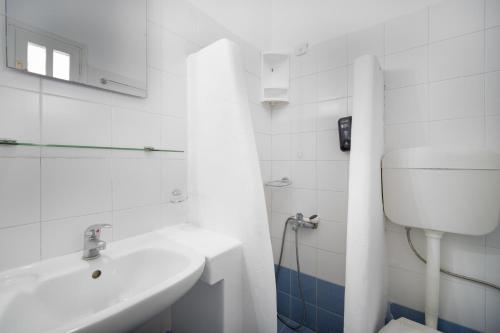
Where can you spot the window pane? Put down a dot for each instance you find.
(61, 65)
(36, 58)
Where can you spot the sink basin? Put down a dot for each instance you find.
(129, 284)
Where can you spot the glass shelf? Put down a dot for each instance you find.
(26, 144)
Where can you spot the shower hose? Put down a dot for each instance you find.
(301, 293)
(444, 271)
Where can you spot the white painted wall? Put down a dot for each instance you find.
(283, 24)
(366, 299)
(314, 21)
(442, 82)
(225, 183)
(49, 196)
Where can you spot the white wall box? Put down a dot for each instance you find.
(275, 77)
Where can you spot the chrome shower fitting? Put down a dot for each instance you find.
(299, 221)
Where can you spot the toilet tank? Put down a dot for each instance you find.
(443, 188)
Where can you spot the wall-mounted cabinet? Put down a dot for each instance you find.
(275, 77)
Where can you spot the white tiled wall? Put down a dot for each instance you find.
(49, 196)
(305, 148)
(451, 49)
(442, 75)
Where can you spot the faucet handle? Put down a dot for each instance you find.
(313, 221)
(314, 217)
(94, 230)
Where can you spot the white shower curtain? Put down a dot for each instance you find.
(224, 180)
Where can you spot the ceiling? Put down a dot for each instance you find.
(283, 24)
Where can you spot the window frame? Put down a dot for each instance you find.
(54, 52)
(21, 35)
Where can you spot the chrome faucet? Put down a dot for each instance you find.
(299, 221)
(92, 242)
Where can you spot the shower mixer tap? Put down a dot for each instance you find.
(299, 221)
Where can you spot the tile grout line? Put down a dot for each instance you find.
(427, 125)
(40, 124)
(428, 82)
(485, 137)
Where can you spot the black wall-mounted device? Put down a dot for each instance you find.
(345, 127)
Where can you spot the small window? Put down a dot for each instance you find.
(37, 59)
(61, 66)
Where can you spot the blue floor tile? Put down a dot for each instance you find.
(286, 329)
(301, 330)
(280, 325)
(297, 313)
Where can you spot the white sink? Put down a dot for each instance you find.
(139, 277)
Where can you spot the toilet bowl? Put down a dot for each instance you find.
(403, 325)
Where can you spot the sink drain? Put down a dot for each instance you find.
(96, 274)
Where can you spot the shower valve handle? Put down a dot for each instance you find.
(300, 222)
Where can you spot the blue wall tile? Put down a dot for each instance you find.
(329, 322)
(449, 327)
(443, 325)
(283, 301)
(297, 313)
(283, 283)
(325, 305)
(330, 297)
(301, 330)
(399, 311)
(308, 286)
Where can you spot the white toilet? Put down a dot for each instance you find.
(439, 190)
